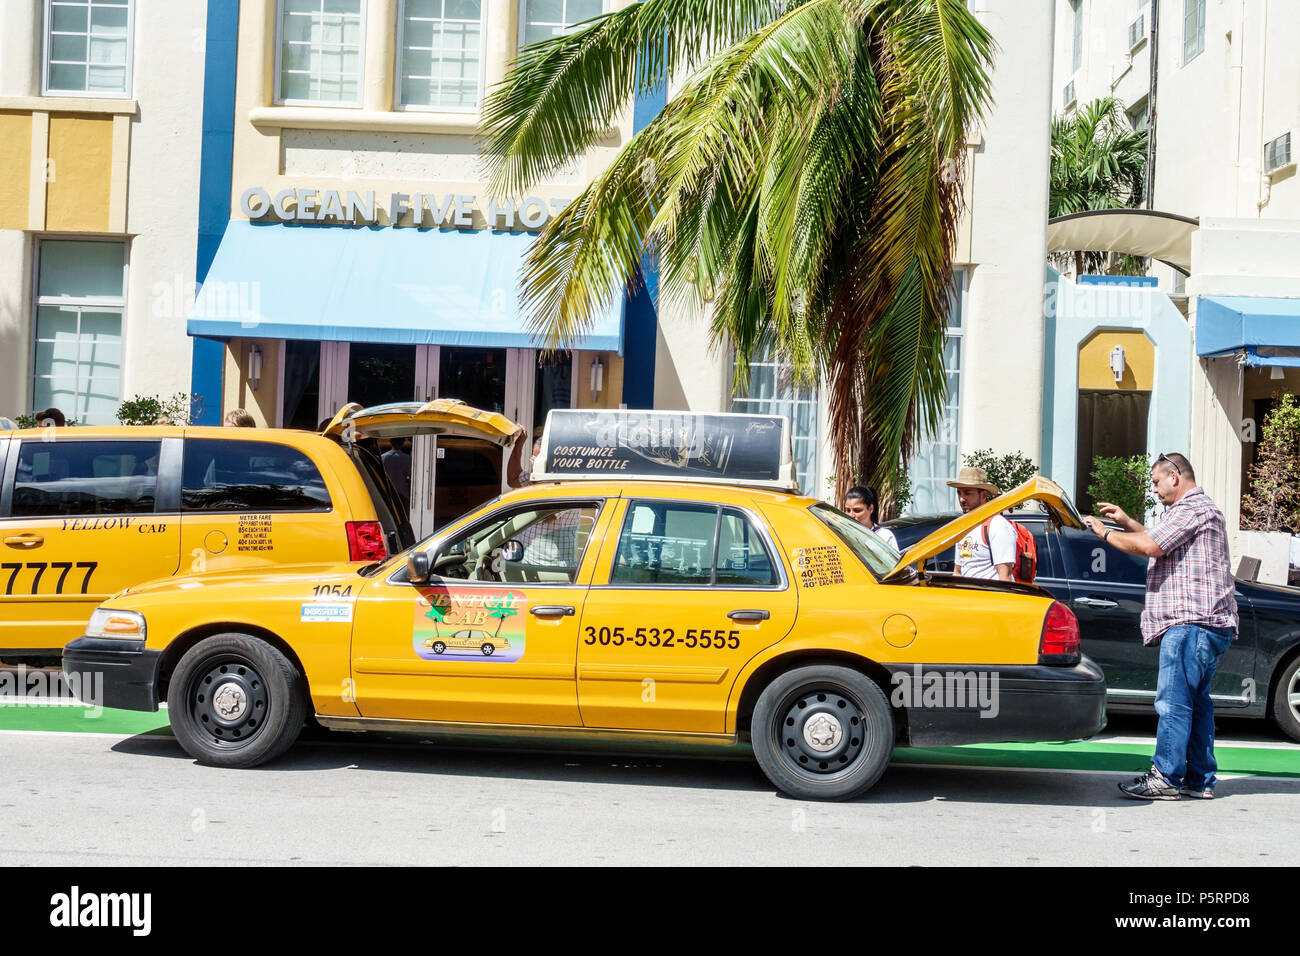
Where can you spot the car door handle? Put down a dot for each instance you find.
(748, 615)
(552, 610)
(1095, 602)
(25, 540)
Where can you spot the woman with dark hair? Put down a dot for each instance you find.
(862, 505)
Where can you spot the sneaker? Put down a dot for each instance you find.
(1198, 793)
(1151, 785)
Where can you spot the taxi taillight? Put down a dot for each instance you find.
(1060, 641)
(366, 541)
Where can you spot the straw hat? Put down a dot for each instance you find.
(970, 477)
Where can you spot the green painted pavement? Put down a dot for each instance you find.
(1080, 755)
(84, 720)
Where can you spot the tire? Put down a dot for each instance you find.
(1286, 700)
(439, 647)
(487, 650)
(235, 672)
(805, 743)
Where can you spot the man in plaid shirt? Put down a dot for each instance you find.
(1191, 612)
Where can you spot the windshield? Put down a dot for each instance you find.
(870, 548)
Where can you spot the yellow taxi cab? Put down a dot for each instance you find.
(642, 591)
(86, 512)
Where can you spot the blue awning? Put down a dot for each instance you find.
(1230, 323)
(374, 284)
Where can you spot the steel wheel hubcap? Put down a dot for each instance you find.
(1293, 696)
(228, 702)
(822, 732)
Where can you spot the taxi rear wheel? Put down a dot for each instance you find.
(823, 732)
(236, 701)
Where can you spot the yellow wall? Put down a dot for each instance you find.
(611, 394)
(1139, 361)
(262, 404)
(77, 198)
(15, 161)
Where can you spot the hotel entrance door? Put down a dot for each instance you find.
(451, 475)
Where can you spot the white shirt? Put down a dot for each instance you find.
(886, 535)
(978, 560)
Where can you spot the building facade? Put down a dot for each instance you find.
(100, 111)
(1215, 85)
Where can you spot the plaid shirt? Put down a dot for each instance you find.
(1192, 583)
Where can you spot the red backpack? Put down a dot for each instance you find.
(1025, 566)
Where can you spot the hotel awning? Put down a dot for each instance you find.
(1226, 324)
(374, 284)
(1135, 232)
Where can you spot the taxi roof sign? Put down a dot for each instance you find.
(728, 449)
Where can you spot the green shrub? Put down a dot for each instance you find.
(1005, 471)
(180, 409)
(1125, 482)
(1273, 501)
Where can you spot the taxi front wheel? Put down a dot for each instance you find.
(236, 701)
(823, 732)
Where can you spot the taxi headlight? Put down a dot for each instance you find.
(115, 623)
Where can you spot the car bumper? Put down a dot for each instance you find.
(126, 671)
(950, 704)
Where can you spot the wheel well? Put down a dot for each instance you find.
(177, 648)
(769, 671)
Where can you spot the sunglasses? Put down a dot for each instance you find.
(1173, 464)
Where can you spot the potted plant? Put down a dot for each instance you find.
(1270, 509)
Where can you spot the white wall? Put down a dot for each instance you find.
(163, 195)
(1001, 402)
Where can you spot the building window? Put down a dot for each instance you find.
(1076, 45)
(936, 458)
(320, 52)
(81, 294)
(1193, 29)
(770, 392)
(1139, 115)
(542, 19)
(441, 61)
(87, 48)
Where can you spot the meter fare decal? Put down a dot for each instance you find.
(470, 624)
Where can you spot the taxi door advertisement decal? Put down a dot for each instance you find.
(470, 624)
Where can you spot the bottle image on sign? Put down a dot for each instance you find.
(464, 623)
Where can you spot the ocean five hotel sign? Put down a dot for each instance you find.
(425, 210)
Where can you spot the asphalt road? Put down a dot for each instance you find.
(105, 799)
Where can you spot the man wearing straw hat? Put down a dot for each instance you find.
(988, 551)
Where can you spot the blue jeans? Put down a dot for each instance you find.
(1189, 654)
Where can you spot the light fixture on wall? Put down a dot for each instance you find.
(597, 377)
(1117, 363)
(254, 367)
(1276, 373)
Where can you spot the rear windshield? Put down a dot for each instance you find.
(870, 548)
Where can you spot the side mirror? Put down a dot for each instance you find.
(417, 567)
(512, 550)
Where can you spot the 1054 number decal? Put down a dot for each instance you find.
(663, 637)
(40, 567)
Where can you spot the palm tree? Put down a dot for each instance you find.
(1098, 162)
(805, 176)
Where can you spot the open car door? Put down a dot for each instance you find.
(1049, 493)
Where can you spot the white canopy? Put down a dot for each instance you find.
(1136, 232)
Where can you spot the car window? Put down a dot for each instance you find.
(62, 478)
(743, 559)
(1090, 559)
(666, 543)
(225, 475)
(550, 541)
(870, 548)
